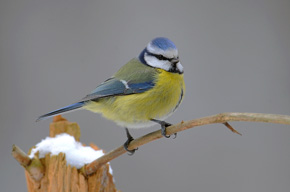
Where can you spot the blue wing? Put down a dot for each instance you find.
(113, 87)
(132, 78)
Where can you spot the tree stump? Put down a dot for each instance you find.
(52, 173)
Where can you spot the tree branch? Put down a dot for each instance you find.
(223, 118)
(32, 166)
(20, 156)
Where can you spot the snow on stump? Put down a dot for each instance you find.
(55, 164)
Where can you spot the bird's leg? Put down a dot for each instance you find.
(164, 125)
(126, 144)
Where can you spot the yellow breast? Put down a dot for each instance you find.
(136, 110)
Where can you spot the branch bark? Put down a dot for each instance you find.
(223, 118)
(20, 156)
(32, 166)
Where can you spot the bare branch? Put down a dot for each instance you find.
(223, 118)
(20, 156)
(32, 166)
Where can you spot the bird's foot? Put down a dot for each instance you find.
(126, 144)
(164, 125)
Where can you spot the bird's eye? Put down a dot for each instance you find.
(161, 57)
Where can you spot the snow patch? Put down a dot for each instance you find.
(76, 154)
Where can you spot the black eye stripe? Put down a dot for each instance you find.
(160, 57)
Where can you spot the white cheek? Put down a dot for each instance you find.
(154, 62)
(179, 67)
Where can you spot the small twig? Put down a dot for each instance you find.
(32, 166)
(20, 156)
(223, 118)
(231, 128)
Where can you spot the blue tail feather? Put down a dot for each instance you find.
(61, 110)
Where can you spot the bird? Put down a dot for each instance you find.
(143, 92)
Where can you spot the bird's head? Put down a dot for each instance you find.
(162, 53)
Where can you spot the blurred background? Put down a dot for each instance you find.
(236, 56)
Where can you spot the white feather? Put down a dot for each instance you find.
(125, 84)
(179, 67)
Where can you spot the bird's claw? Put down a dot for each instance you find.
(164, 125)
(127, 143)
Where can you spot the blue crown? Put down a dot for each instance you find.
(163, 43)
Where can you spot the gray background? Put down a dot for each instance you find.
(236, 56)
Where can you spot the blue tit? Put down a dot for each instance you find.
(143, 92)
